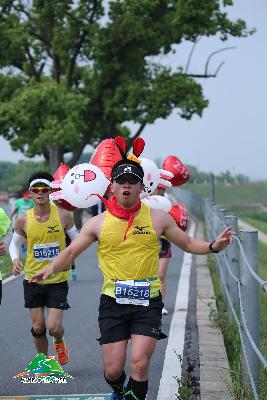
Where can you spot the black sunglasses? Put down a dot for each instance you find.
(132, 180)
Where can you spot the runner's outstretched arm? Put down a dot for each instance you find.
(63, 261)
(192, 245)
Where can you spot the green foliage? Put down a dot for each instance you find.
(231, 332)
(51, 114)
(231, 338)
(185, 389)
(197, 176)
(73, 72)
(13, 177)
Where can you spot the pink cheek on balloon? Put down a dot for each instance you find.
(76, 168)
(76, 189)
(148, 177)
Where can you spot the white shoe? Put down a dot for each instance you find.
(165, 311)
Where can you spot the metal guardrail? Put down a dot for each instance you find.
(237, 267)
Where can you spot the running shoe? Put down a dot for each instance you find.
(165, 311)
(117, 396)
(62, 352)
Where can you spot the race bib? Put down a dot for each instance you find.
(132, 292)
(45, 252)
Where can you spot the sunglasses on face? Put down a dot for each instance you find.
(132, 180)
(42, 190)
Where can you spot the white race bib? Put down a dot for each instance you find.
(45, 252)
(132, 292)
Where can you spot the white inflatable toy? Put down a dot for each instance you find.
(80, 186)
(158, 202)
(154, 177)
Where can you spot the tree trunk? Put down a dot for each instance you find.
(55, 158)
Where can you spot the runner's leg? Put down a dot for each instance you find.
(56, 329)
(114, 357)
(39, 329)
(55, 323)
(141, 352)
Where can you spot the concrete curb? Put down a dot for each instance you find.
(214, 367)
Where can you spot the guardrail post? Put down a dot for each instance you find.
(250, 298)
(208, 217)
(222, 268)
(232, 254)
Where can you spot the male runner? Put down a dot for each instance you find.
(128, 252)
(43, 226)
(24, 203)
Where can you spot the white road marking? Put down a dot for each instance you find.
(168, 387)
(9, 279)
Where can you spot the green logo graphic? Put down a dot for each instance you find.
(43, 370)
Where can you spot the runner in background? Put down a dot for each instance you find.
(44, 226)
(23, 204)
(97, 208)
(164, 257)
(74, 275)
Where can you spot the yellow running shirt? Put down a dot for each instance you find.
(135, 258)
(45, 241)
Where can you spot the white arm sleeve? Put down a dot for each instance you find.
(14, 246)
(72, 232)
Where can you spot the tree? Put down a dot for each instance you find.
(73, 71)
(14, 177)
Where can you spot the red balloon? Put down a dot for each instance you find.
(180, 215)
(59, 175)
(179, 170)
(61, 172)
(106, 155)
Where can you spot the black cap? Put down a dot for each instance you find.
(128, 169)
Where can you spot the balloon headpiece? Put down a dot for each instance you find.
(117, 155)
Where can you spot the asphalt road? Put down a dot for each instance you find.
(81, 331)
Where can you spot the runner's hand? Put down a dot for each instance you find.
(17, 267)
(2, 248)
(42, 275)
(223, 239)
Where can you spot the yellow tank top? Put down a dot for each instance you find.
(45, 241)
(135, 258)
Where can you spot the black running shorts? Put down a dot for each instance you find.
(119, 321)
(51, 295)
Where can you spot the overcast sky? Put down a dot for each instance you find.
(232, 131)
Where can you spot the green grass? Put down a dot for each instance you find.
(257, 219)
(231, 334)
(236, 197)
(259, 225)
(263, 297)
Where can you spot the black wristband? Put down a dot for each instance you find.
(211, 249)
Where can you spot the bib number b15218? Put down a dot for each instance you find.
(132, 292)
